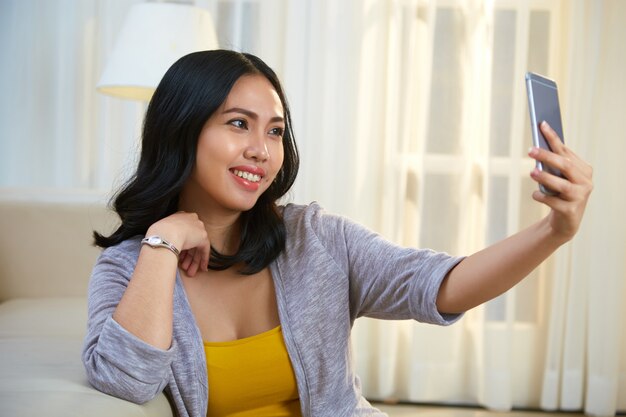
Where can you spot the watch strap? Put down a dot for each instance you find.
(156, 241)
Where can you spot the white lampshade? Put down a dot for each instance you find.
(153, 37)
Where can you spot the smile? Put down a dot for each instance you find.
(247, 175)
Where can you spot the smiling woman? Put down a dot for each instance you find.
(179, 137)
(239, 151)
(258, 286)
(218, 151)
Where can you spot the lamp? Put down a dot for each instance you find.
(153, 37)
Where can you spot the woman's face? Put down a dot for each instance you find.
(240, 148)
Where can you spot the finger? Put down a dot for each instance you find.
(204, 262)
(554, 202)
(556, 144)
(558, 147)
(191, 271)
(195, 264)
(188, 259)
(192, 266)
(566, 190)
(557, 184)
(576, 171)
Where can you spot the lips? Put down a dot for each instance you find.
(248, 177)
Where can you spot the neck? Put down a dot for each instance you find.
(223, 235)
(222, 226)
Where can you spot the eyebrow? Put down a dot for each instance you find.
(251, 114)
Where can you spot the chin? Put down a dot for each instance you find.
(243, 204)
(243, 201)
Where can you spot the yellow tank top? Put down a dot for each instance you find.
(251, 377)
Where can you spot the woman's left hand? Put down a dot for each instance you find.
(573, 190)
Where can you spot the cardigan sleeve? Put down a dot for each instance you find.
(117, 362)
(386, 281)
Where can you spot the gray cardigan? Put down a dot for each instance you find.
(331, 272)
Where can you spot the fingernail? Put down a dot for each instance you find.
(532, 151)
(546, 125)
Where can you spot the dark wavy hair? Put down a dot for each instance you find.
(189, 93)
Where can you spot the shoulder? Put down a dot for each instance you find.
(311, 214)
(121, 256)
(112, 271)
(292, 212)
(311, 221)
(127, 248)
(311, 231)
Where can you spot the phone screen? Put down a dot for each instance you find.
(543, 104)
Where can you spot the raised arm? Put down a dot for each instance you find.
(128, 348)
(145, 309)
(494, 270)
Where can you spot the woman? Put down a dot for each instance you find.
(231, 304)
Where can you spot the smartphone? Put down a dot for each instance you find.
(543, 104)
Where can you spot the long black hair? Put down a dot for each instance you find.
(189, 93)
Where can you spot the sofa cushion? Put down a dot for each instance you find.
(46, 247)
(58, 317)
(41, 373)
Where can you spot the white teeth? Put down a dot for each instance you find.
(247, 175)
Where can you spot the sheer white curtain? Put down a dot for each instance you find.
(558, 340)
(411, 118)
(586, 349)
(56, 132)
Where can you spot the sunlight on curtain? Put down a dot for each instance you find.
(411, 118)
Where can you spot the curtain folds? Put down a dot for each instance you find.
(586, 365)
(411, 118)
(56, 132)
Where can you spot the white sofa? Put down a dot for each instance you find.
(46, 258)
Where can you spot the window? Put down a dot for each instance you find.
(473, 152)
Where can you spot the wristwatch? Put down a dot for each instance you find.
(156, 241)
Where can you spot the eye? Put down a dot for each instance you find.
(277, 131)
(239, 123)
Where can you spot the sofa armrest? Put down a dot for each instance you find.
(41, 373)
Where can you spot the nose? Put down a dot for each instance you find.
(257, 149)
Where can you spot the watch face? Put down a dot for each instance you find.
(154, 240)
